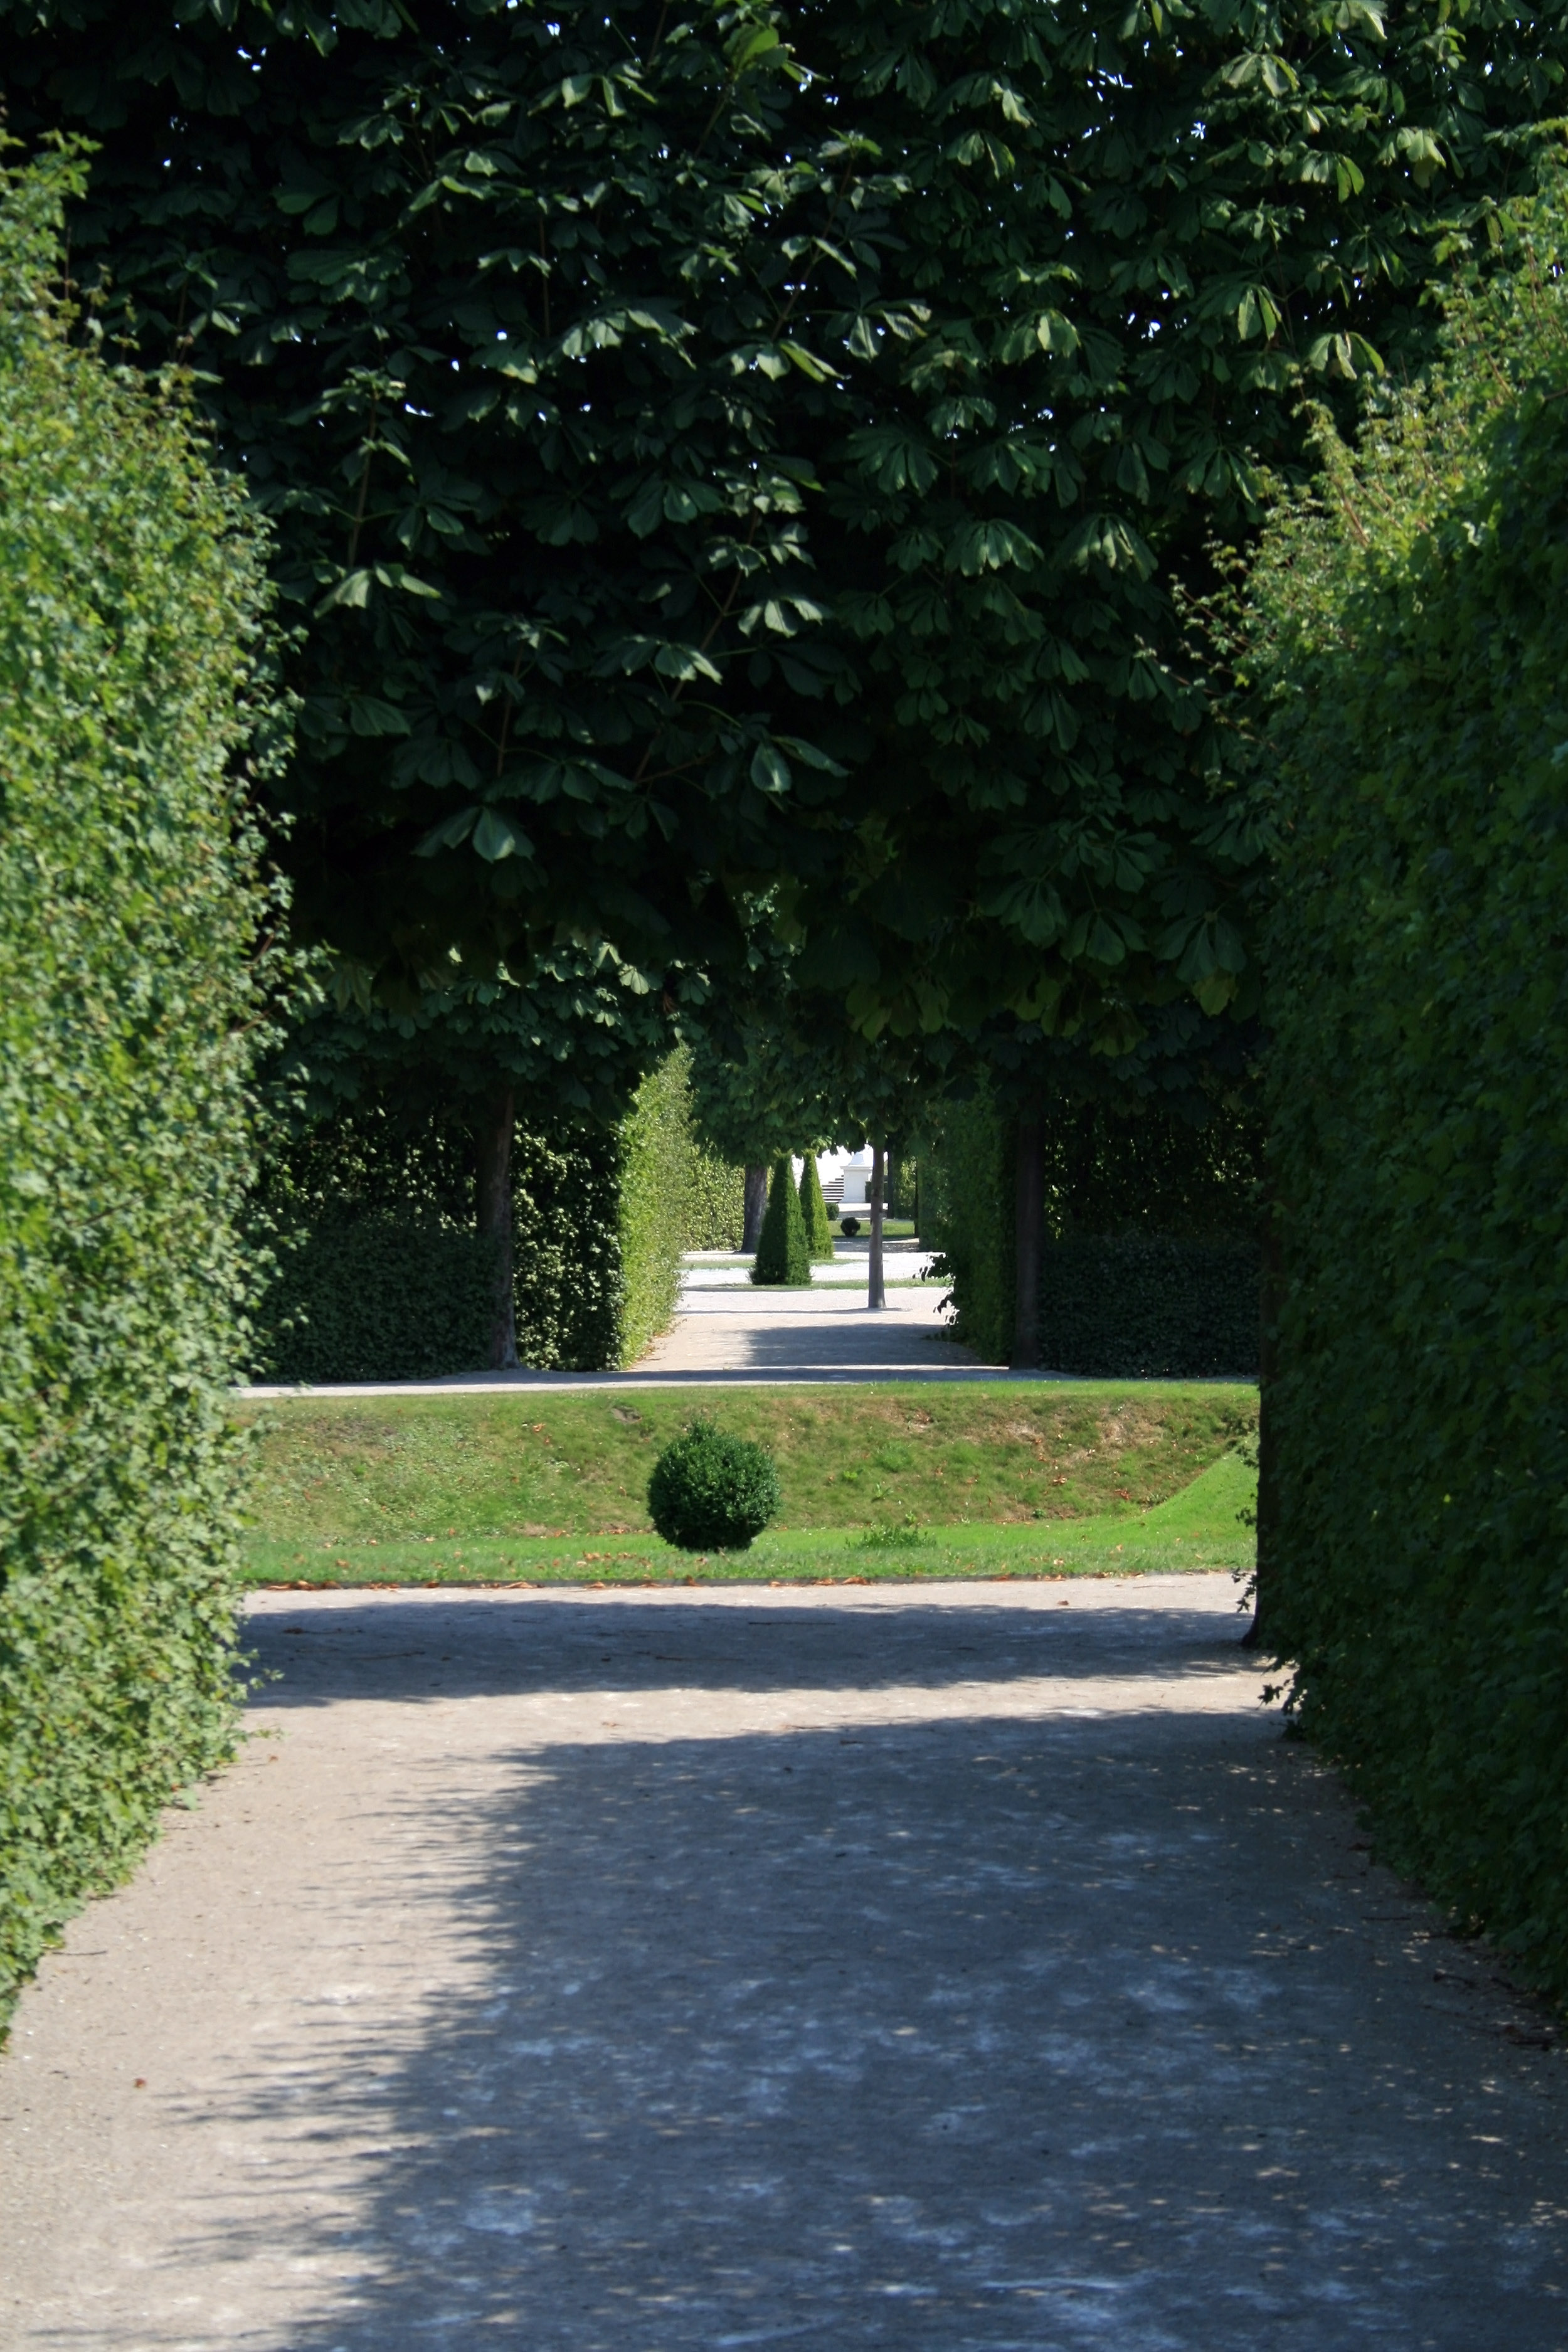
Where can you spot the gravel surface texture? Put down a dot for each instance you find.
(920, 1969)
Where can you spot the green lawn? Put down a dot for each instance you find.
(899, 1481)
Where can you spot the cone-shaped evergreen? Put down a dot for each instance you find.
(813, 1214)
(781, 1253)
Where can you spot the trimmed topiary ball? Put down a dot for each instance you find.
(710, 1492)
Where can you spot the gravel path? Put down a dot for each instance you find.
(725, 1325)
(921, 1969)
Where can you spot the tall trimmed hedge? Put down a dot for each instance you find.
(568, 1247)
(716, 1203)
(380, 1275)
(131, 687)
(656, 1155)
(968, 1170)
(377, 1271)
(1409, 665)
(378, 1295)
(1149, 1270)
(813, 1212)
(1150, 1306)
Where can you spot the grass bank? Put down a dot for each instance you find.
(1090, 1477)
(1201, 1527)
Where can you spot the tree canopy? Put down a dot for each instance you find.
(1135, 237)
(734, 450)
(503, 312)
(573, 1039)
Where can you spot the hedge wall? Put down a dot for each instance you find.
(1149, 1271)
(1411, 648)
(130, 682)
(1150, 1306)
(380, 1275)
(569, 1250)
(716, 1204)
(654, 1155)
(377, 1297)
(968, 1172)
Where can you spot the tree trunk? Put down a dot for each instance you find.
(756, 1209)
(1270, 1291)
(493, 1216)
(876, 1295)
(1029, 1232)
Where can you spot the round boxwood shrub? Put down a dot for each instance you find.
(710, 1492)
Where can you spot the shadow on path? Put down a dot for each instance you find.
(683, 1973)
(467, 1644)
(926, 2035)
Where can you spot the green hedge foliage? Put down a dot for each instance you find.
(968, 1172)
(379, 1273)
(1149, 1270)
(716, 1204)
(569, 1268)
(813, 1213)
(712, 1492)
(784, 1256)
(379, 1297)
(903, 1185)
(1149, 1306)
(131, 683)
(654, 1157)
(1410, 651)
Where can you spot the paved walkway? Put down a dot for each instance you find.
(727, 1326)
(933, 1969)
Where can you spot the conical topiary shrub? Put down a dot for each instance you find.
(813, 1214)
(781, 1253)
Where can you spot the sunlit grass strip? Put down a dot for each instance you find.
(572, 1468)
(1198, 1529)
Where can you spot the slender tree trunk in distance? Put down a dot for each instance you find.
(1270, 1290)
(493, 1216)
(756, 1209)
(1029, 1232)
(876, 1296)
